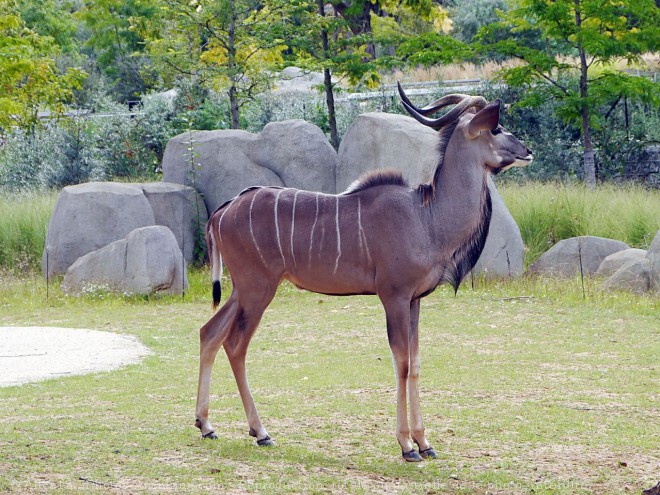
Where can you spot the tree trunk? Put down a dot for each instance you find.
(231, 63)
(233, 107)
(589, 160)
(330, 101)
(327, 81)
(589, 153)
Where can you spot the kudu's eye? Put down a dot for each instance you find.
(496, 131)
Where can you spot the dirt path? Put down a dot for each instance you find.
(30, 354)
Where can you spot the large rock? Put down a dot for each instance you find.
(295, 79)
(299, 153)
(653, 257)
(613, 262)
(565, 258)
(148, 260)
(293, 153)
(381, 140)
(635, 276)
(90, 216)
(182, 210)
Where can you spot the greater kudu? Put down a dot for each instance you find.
(379, 237)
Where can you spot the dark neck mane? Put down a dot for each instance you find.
(466, 256)
(427, 191)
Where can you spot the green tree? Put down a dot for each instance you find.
(29, 78)
(116, 31)
(582, 39)
(226, 45)
(468, 17)
(340, 38)
(52, 18)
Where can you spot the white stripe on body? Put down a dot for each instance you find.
(311, 237)
(361, 235)
(277, 225)
(254, 239)
(338, 233)
(293, 224)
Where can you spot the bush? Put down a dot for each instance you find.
(107, 145)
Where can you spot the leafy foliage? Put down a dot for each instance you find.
(89, 147)
(224, 46)
(117, 31)
(30, 81)
(574, 66)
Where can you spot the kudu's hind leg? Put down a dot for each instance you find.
(211, 336)
(249, 315)
(416, 423)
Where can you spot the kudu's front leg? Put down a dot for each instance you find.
(417, 425)
(397, 313)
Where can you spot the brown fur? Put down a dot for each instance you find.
(379, 237)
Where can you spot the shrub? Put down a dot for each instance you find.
(107, 145)
(24, 156)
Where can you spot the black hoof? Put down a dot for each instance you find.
(428, 453)
(265, 442)
(210, 435)
(411, 456)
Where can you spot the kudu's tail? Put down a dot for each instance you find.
(215, 259)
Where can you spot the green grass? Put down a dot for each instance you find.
(23, 229)
(526, 388)
(549, 212)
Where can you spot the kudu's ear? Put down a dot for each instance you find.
(486, 119)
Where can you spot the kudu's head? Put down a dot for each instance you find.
(478, 124)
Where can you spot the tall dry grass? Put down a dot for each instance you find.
(450, 72)
(488, 70)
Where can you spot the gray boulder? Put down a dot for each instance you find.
(381, 140)
(299, 153)
(293, 153)
(653, 257)
(295, 79)
(148, 260)
(635, 276)
(182, 210)
(616, 260)
(565, 258)
(90, 216)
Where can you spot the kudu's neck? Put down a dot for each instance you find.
(460, 209)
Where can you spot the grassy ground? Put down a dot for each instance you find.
(527, 388)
